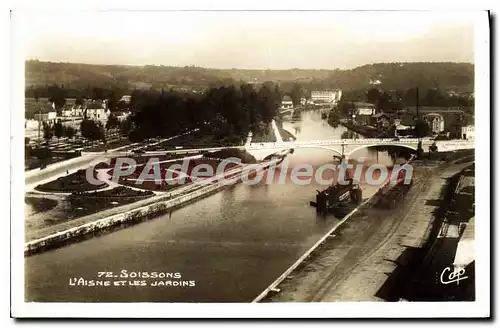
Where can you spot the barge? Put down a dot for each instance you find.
(338, 199)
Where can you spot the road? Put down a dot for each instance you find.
(53, 171)
(233, 243)
(354, 264)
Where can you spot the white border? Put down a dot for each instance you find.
(480, 308)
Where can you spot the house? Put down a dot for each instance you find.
(468, 132)
(326, 95)
(34, 109)
(364, 108)
(286, 102)
(31, 124)
(67, 110)
(77, 110)
(70, 102)
(95, 110)
(97, 113)
(435, 121)
(46, 117)
(121, 115)
(126, 99)
(381, 120)
(362, 112)
(442, 118)
(405, 124)
(67, 113)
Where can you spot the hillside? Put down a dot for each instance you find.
(445, 76)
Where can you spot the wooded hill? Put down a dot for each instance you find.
(444, 76)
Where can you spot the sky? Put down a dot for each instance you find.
(255, 40)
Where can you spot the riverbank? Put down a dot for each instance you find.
(77, 230)
(365, 130)
(353, 263)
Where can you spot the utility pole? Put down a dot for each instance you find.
(419, 147)
(417, 103)
(39, 117)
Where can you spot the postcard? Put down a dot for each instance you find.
(250, 164)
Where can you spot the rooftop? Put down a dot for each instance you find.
(381, 114)
(407, 119)
(362, 104)
(435, 109)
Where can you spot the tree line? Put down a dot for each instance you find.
(227, 113)
(427, 75)
(394, 100)
(58, 94)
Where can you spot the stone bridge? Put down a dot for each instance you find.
(339, 147)
(346, 147)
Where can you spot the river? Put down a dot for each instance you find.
(230, 245)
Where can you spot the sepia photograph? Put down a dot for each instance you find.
(228, 158)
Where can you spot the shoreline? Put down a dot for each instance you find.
(309, 278)
(158, 205)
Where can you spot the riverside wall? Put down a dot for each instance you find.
(130, 217)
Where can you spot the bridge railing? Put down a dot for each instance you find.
(386, 141)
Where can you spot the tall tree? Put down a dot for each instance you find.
(48, 132)
(126, 127)
(296, 94)
(112, 122)
(112, 101)
(373, 95)
(92, 130)
(69, 132)
(433, 97)
(422, 129)
(57, 96)
(79, 101)
(268, 109)
(58, 130)
(97, 94)
(345, 108)
(384, 102)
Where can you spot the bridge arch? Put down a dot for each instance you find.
(436, 121)
(339, 153)
(349, 154)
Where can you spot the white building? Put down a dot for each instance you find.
(326, 95)
(67, 113)
(286, 102)
(97, 113)
(435, 121)
(468, 132)
(50, 116)
(364, 108)
(30, 124)
(77, 111)
(375, 82)
(126, 99)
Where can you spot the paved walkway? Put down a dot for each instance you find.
(277, 133)
(39, 233)
(56, 170)
(354, 264)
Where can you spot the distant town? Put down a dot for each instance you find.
(99, 118)
(110, 147)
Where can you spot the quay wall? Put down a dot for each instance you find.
(163, 205)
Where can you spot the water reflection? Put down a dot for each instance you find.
(233, 243)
